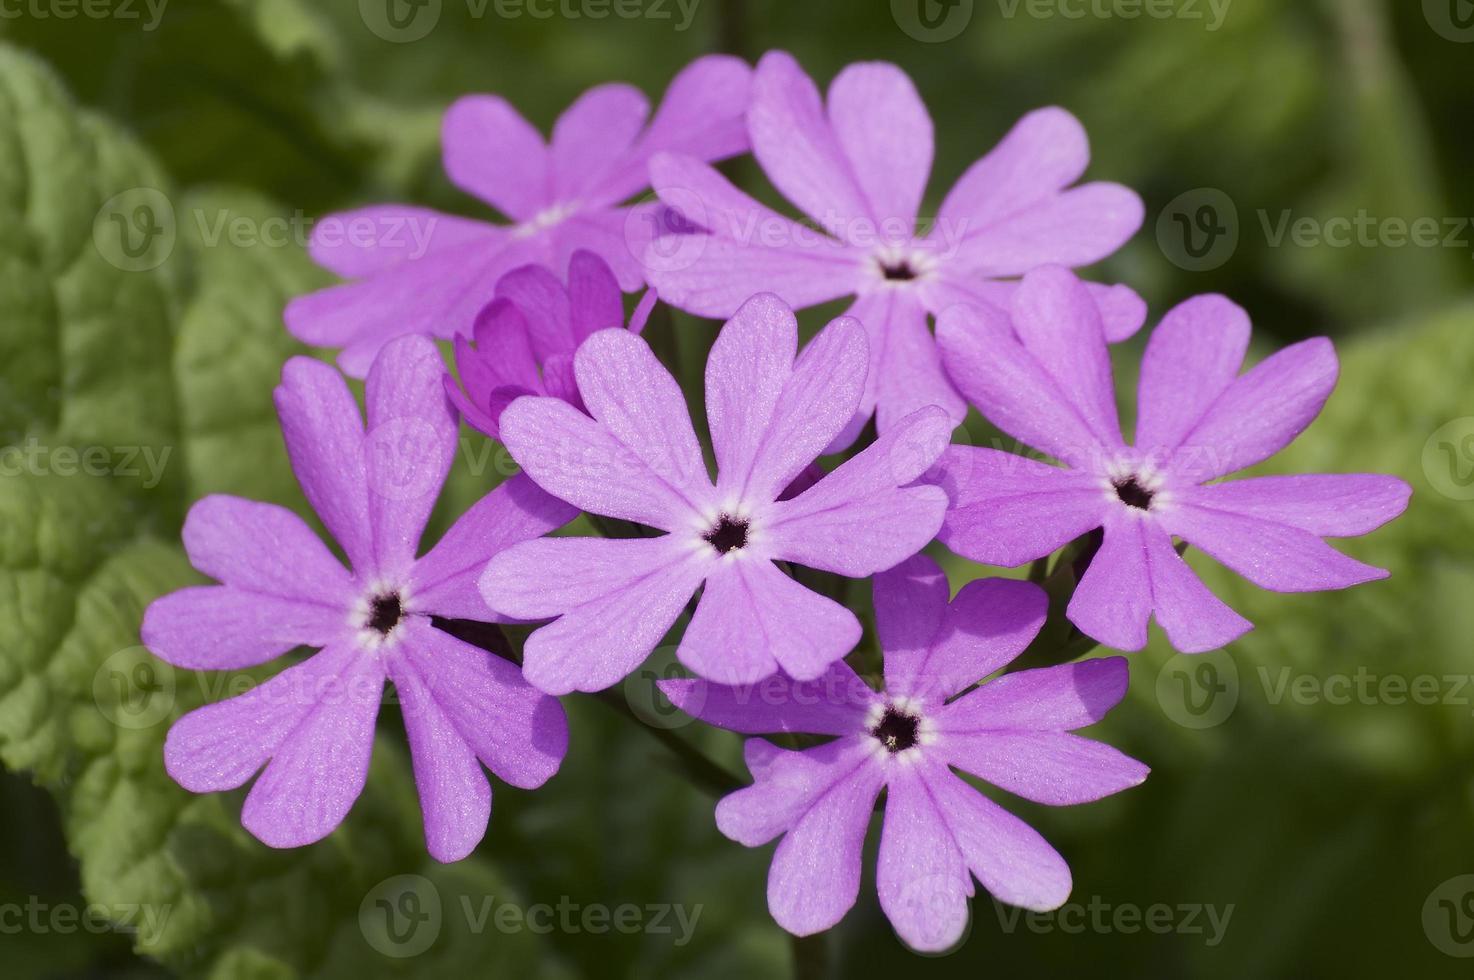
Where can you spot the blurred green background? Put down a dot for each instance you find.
(1313, 786)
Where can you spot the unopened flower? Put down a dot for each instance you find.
(420, 271)
(858, 167)
(523, 341)
(312, 725)
(637, 459)
(939, 833)
(1044, 377)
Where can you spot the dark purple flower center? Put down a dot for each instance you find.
(385, 611)
(896, 730)
(1133, 494)
(729, 534)
(900, 271)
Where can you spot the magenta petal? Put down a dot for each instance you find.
(793, 142)
(264, 548)
(410, 447)
(1060, 698)
(217, 627)
(1331, 505)
(1008, 856)
(319, 770)
(910, 608)
(1261, 412)
(988, 624)
(637, 402)
(503, 355)
(543, 302)
(1113, 601)
(1195, 619)
(1059, 324)
(1193, 356)
(753, 619)
(618, 236)
(518, 732)
(221, 745)
(592, 135)
(886, 136)
(323, 431)
(616, 600)
(455, 796)
(834, 704)
(920, 875)
(1122, 311)
(1054, 768)
(594, 300)
(746, 373)
(1272, 556)
(1007, 509)
(906, 372)
(786, 784)
(493, 153)
(1074, 228)
(1045, 152)
(369, 240)
(815, 876)
(446, 581)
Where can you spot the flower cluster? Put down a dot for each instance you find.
(744, 544)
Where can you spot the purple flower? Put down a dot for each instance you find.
(637, 459)
(525, 338)
(938, 832)
(312, 725)
(1045, 379)
(420, 271)
(858, 167)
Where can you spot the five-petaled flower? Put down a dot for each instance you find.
(420, 271)
(524, 339)
(858, 167)
(1014, 732)
(638, 459)
(1043, 376)
(312, 725)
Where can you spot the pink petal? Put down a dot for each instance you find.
(577, 460)
(793, 142)
(323, 431)
(753, 619)
(1060, 698)
(636, 401)
(264, 548)
(1272, 556)
(410, 446)
(219, 627)
(749, 248)
(1074, 228)
(1122, 311)
(542, 300)
(618, 236)
(594, 300)
(1054, 768)
(988, 624)
(221, 745)
(518, 732)
(1113, 601)
(1012, 861)
(455, 796)
(920, 875)
(319, 769)
(1002, 379)
(617, 599)
(863, 517)
(1045, 152)
(910, 609)
(906, 372)
(1331, 505)
(367, 240)
(592, 135)
(1195, 619)
(1058, 323)
(834, 704)
(1260, 413)
(1007, 509)
(446, 581)
(786, 785)
(1191, 359)
(746, 373)
(493, 153)
(885, 133)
